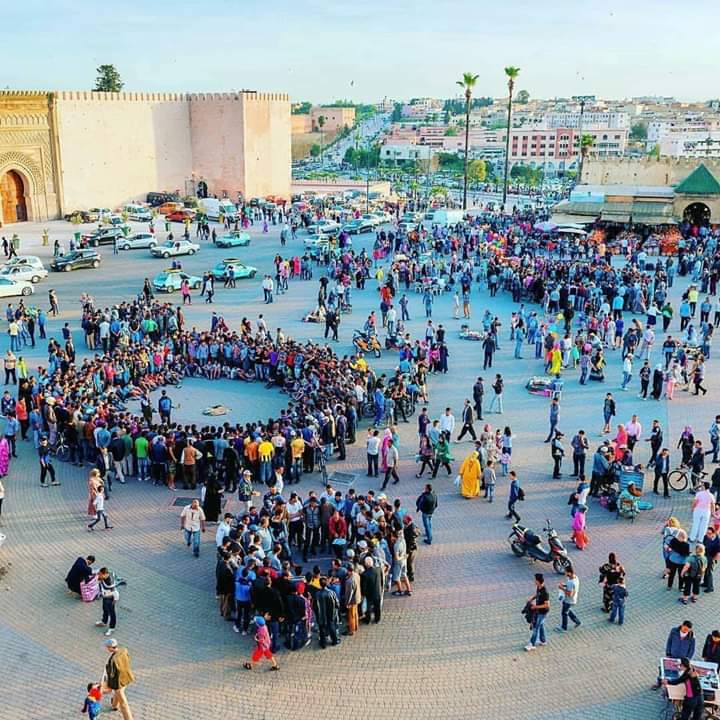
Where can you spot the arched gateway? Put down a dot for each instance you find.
(12, 197)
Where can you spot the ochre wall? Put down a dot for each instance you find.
(267, 155)
(643, 171)
(116, 147)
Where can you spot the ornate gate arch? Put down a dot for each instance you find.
(30, 174)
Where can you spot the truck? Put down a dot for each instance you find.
(447, 217)
(213, 208)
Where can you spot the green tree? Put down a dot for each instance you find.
(315, 150)
(301, 108)
(321, 125)
(397, 112)
(467, 84)
(108, 79)
(451, 132)
(522, 98)
(477, 171)
(655, 152)
(638, 131)
(511, 74)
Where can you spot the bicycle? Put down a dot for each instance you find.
(321, 464)
(61, 450)
(678, 480)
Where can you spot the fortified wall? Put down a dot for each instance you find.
(642, 171)
(62, 151)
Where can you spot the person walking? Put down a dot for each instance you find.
(539, 606)
(46, 466)
(498, 387)
(263, 645)
(691, 575)
(662, 470)
(554, 418)
(110, 596)
(426, 504)
(711, 542)
(478, 394)
(516, 493)
(99, 506)
(468, 419)
(703, 507)
(118, 675)
(392, 460)
(580, 447)
(192, 523)
(627, 371)
(570, 589)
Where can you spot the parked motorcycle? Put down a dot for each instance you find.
(523, 541)
(367, 343)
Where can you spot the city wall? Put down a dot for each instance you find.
(642, 171)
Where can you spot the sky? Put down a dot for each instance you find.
(367, 50)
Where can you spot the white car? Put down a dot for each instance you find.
(175, 247)
(29, 273)
(10, 287)
(324, 226)
(138, 241)
(25, 260)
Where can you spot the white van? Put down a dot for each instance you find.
(447, 217)
(138, 212)
(213, 208)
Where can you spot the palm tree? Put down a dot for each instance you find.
(511, 73)
(321, 124)
(467, 83)
(586, 142)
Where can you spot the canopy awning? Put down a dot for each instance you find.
(567, 219)
(611, 216)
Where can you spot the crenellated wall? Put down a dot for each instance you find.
(643, 171)
(79, 149)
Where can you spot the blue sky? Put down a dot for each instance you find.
(365, 50)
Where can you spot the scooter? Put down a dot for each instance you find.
(523, 541)
(367, 343)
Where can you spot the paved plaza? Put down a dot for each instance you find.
(453, 650)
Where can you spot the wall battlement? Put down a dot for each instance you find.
(121, 96)
(247, 95)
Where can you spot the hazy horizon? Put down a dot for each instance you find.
(322, 51)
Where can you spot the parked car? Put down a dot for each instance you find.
(155, 199)
(236, 238)
(240, 269)
(26, 261)
(181, 215)
(171, 279)
(103, 236)
(324, 226)
(172, 248)
(170, 206)
(138, 241)
(85, 258)
(82, 216)
(138, 212)
(24, 272)
(358, 226)
(321, 241)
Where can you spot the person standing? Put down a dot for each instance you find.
(118, 675)
(711, 541)
(662, 470)
(497, 387)
(10, 363)
(489, 348)
(373, 452)
(392, 460)
(489, 479)
(478, 394)
(46, 466)
(327, 614)
(655, 440)
(557, 452)
(353, 598)
(539, 605)
(703, 506)
(627, 371)
(468, 419)
(608, 412)
(165, 406)
(580, 447)
(619, 596)
(371, 587)
(426, 504)
(693, 702)
(110, 596)
(570, 589)
(192, 523)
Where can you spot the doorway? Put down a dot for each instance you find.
(697, 213)
(12, 195)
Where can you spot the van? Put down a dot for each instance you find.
(138, 212)
(447, 217)
(213, 208)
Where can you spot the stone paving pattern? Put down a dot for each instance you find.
(453, 650)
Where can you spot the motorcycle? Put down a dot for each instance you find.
(523, 541)
(367, 343)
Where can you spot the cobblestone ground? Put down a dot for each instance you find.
(453, 650)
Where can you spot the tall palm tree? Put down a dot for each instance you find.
(467, 83)
(586, 142)
(321, 124)
(511, 73)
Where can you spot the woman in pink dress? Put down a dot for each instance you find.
(4, 457)
(384, 446)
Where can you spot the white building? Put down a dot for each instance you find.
(605, 120)
(406, 151)
(690, 144)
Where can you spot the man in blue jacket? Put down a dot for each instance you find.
(680, 643)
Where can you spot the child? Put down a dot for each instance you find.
(489, 481)
(262, 649)
(504, 462)
(92, 701)
(578, 525)
(619, 593)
